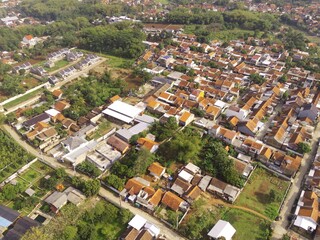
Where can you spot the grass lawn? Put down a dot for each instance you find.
(41, 167)
(23, 98)
(30, 175)
(57, 65)
(113, 230)
(248, 226)
(118, 62)
(256, 194)
(162, 1)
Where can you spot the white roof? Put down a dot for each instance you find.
(125, 109)
(193, 168)
(222, 229)
(220, 104)
(185, 176)
(118, 115)
(52, 112)
(137, 222)
(305, 223)
(152, 229)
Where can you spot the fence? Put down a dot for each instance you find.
(13, 176)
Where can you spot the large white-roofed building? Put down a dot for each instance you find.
(121, 111)
(222, 229)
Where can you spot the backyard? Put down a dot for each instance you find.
(263, 193)
(30, 178)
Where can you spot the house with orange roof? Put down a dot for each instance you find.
(57, 93)
(156, 170)
(148, 144)
(307, 211)
(265, 154)
(174, 202)
(226, 135)
(61, 105)
(115, 98)
(212, 112)
(252, 146)
(186, 118)
(29, 41)
(249, 128)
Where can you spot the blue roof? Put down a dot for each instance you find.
(4, 222)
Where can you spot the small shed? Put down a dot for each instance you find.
(222, 229)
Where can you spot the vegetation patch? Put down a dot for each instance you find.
(23, 98)
(243, 222)
(263, 193)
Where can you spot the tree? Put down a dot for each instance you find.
(303, 147)
(61, 173)
(283, 79)
(90, 187)
(70, 232)
(37, 233)
(256, 78)
(115, 181)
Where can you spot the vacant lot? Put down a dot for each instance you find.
(263, 193)
(23, 98)
(247, 225)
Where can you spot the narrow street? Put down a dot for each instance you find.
(108, 195)
(280, 227)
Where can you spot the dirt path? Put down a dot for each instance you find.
(219, 202)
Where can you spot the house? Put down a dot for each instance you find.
(307, 211)
(252, 147)
(29, 40)
(122, 112)
(56, 201)
(156, 170)
(249, 128)
(118, 144)
(174, 202)
(126, 134)
(180, 187)
(7, 216)
(43, 117)
(20, 227)
(234, 111)
(186, 118)
(310, 111)
(148, 144)
(140, 229)
(115, 98)
(223, 190)
(61, 105)
(222, 230)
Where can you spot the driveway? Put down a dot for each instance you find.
(280, 227)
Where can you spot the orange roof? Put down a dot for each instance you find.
(156, 198)
(172, 201)
(41, 125)
(251, 143)
(185, 116)
(59, 117)
(153, 104)
(28, 37)
(213, 110)
(133, 186)
(156, 168)
(60, 105)
(149, 190)
(267, 152)
(147, 143)
(164, 95)
(234, 121)
(194, 193)
(57, 93)
(115, 98)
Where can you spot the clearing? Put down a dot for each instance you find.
(256, 193)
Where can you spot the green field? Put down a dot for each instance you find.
(256, 193)
(57, 65)
(247, 225)
(103, 128)
(23, 98)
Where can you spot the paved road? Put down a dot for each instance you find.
(109, 196)
(281, 226)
